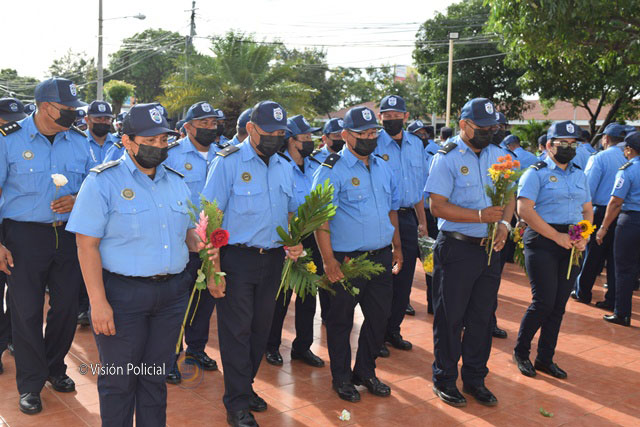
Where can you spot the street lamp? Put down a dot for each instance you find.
(452, 37)
(139, 16)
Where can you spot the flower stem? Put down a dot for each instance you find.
(573, 249)
(285, 277)
(493, 238)
(184, 321)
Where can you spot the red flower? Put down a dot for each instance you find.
(219, 238)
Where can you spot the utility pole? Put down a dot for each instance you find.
(100, 70)
(452, 37)
(188, 41)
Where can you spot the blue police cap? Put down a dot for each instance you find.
(200, 110)
(220, 114)
(11, 109)
(269, 116)
(359, 119)
(501, 118)
(393, 103)
(99, 109)
(564, 129)
(480, 111)
(81, 113)
(146, 120)
(120, 117)
(633, 140)
(243, 118)
(29, 108)
(542, 139)
(511, 139)
(629, 129)
(162, 110)
(297, 125)
(333, 125)
(415, 126)
(62, 91)
(614, 129)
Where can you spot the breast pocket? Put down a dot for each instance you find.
(128, 218)
(28, 176)
(359, 199)
(578, 191)
(248, 199)
(179, 217)
(74, 171)
(467, 190)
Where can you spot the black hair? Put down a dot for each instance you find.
(446, 133)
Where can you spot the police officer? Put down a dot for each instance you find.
(241, 127)
(221, 127)
(131, 221)
(29, 109)
(34, 214)
(405, 154)
(367, 199)
(542, 146)
(552, 195)
(254, 187)
(445, 134)
(192, 156)
(117, 124)
(298, 151)
(501, 132)
(81, 122)
(625, 202)
(464, 286)
(601, 173)
(425, 133)
(526, 158)
(99, 118)
(11, 110)
(585, 149)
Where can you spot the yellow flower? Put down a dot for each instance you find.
(494, 174)
(311, 267)
(428, 263)
(586, 228)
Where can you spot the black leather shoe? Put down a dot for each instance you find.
(174, 376)
(410, 311)
(256, 403)
(273, 358)
(309, 358)
(482, 394)
(62, 383)
(551, 369)
(30, 403)
(347, 391)
(524, 365)
(384, 351)
(207, 363)
(450, 395)
(10, 348)
(613, 318)
(575, 296)
(242, 418)
(397, 342)
(373, 384)
(83, 319)
(499, 333)
(605, 305)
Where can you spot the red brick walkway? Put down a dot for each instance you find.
(602, 360)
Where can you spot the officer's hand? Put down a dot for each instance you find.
(396, 261)
(422, 230)
(563, 240)
(217, 290)
(602, 232)
(581, 244)
(521, 223)
(102, 318)
(332, 270)
(501, 238)
(491, 214)
(6, 259)
(294, 252)
(63, 205)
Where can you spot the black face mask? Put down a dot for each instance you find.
(498, 136)
(270, 144)
(481, 138)
(365, 146)
(393, 127)
(67, 118)
(220, 130)
(307, 148)
(206, 136)
(565, 154)
(101, 129)
(149, 156)
(337, 144)
(425, 141)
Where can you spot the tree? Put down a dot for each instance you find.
(529, 133)
(488, 77)
(15, 86)
(146, 59)
(576, 51)
(80, 69)
(118, 91)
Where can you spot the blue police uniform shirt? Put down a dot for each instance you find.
(407, 163)
(254, 197)
(432, 147)
(234, 140)
(429, 158)
(525, 158)
(186, 159)
(141, 223)
(114, 152)
(223, 139)
(363, 198)
(461, 176)
(558, 195)
(322, 154)
(98, 151)
(601, 173)
(542, 157)
(302, 180)
(627, 186)
(583, 152)
(27, 161)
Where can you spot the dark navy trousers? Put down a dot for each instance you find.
(432, 229)
(5, 314)
(147, 316)
(196, 331)
(464, 295)
(38, 262)
(627, 252)
(547, 265)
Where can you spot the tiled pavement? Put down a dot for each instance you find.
(602, 360)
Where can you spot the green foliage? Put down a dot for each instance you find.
(118, 91)
(488, 77)
(302, 279)
(530, 132)
(545, 413)
(355, 268)
(80, 69)
(17, 86)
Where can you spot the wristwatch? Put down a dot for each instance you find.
(506, 224)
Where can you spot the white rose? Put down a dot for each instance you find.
(59, 180)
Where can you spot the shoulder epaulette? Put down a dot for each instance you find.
(78, 131)
(512, 153)
(576, 166)
(378, 155)
(284, 156)
(118, 144)
(594, 153)
(432, 153)
(315, 160)
(449, 147)
(173, 145)
(539, 165)
(9, 128)
(228, 150)
(331, 160)
(316, 151)
(173, 170)
(223, 145)
(104, 166)
(626, 165)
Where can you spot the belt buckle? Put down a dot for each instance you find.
(484, 241)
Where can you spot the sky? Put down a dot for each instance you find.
(375, 32)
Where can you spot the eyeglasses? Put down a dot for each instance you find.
(565, 144)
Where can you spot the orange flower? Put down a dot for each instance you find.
(502, 159)
(516, 164)
(508, 157)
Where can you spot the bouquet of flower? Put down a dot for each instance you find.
(577, 232)
(208, 221)
(518, 255)
(59, 180)
(315, 211)
(504, 176)
(353, 268)
(426, 245)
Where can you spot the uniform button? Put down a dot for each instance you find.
(134, 209)
(166, 246)
(164, 225)
(248, 192)
(160, 205)
(30, 170)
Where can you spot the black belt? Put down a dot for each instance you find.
(480, 241)
(562, 228)
(41, 224)
(156, 278)
(260, 251)
(406, 210)
(378, 251)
